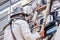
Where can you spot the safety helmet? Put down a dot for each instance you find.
(18, 11)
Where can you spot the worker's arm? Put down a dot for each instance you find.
(45, 17)
(26, 31)
(46, 12)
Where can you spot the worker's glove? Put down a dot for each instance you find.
(41, 33)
